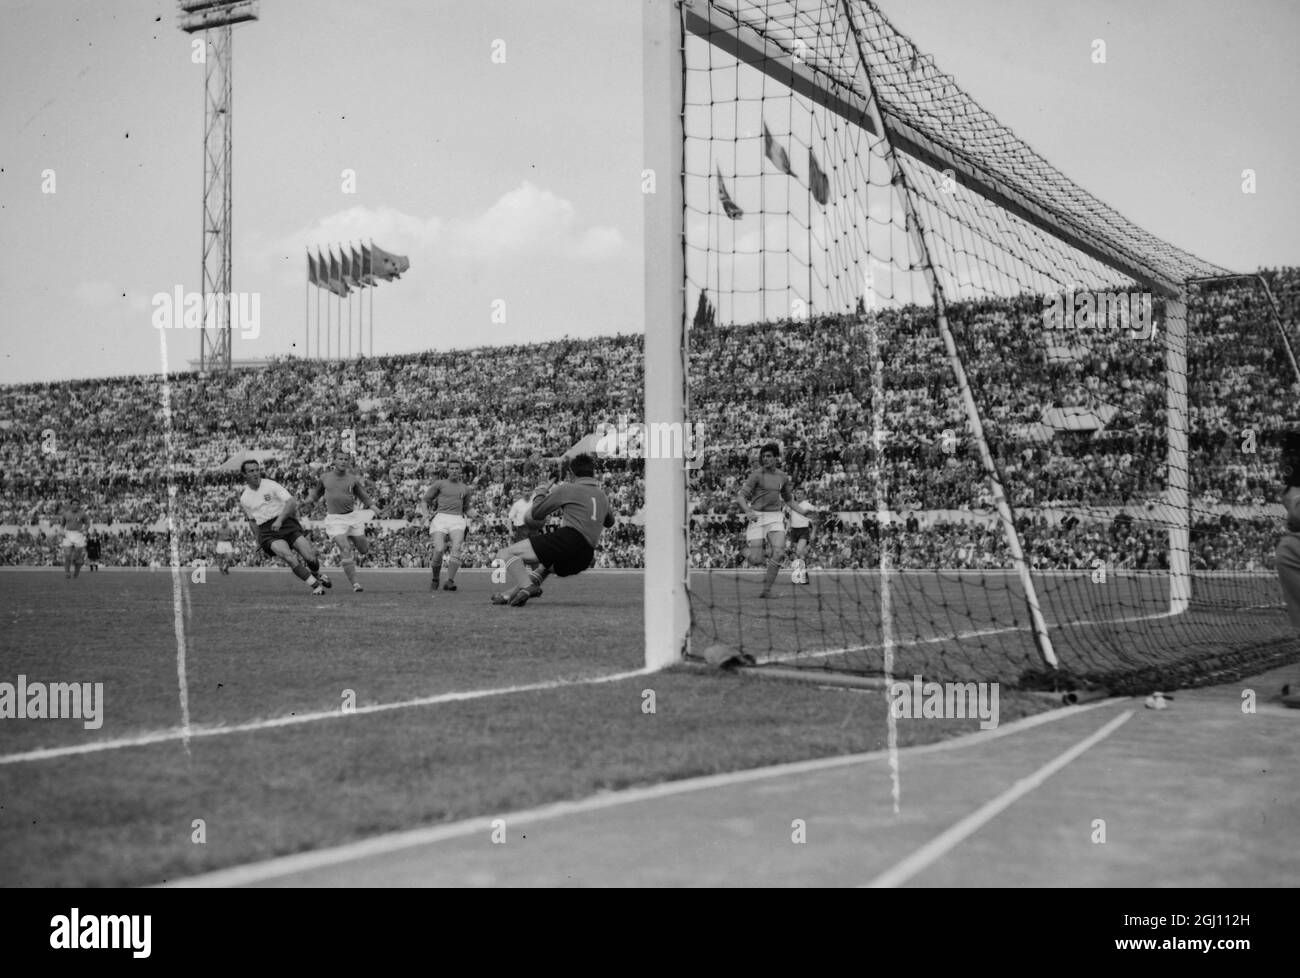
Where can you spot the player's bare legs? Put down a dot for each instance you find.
(776, 543)
(67, 562)
(308, 552)
(439, 546)
(513, 559)
(453, 559)
(299, 565)
(348, 546)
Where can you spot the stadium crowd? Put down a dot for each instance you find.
(1074, 423)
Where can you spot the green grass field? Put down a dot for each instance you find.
(274, 765)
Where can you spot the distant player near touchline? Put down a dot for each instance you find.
(448, 500)
(75, 521)
(764, 497)
(584, 512)
(801, 514)
(92, 550)
(345, 525)
(225, 546)
(272, 510)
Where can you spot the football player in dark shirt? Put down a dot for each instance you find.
(584, 512)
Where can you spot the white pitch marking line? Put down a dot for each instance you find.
(162, 736)
(177, 600)
(395, 841)
(973, 822)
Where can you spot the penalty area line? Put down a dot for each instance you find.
(943, 843)
(192, 733)
(380, 845)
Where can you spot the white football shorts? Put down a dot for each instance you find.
(351, 524)
(766, 523)
(447, 523)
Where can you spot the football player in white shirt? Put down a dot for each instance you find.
(272, 510)
(801, 514)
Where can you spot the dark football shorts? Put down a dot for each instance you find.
(566, 551)
(290, 530)
(520, 533)
(798, 533)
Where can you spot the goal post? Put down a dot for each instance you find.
(667, 611)
(944, 334)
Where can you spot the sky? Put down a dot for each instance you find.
(497, 144)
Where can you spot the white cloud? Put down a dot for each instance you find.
(530, 220)
(526, 221)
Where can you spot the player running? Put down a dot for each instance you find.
(584, 512)
(272, 509)
(75, 522)
(448, 500)
(769, 489)
(345, 525)
(801, 514)
(225, 546)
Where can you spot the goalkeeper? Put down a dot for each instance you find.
(584, 511)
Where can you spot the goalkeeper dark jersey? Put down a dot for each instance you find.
(582, 504)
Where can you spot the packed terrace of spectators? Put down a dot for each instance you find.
(1076, 424)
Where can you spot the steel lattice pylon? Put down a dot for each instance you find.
(214, 337)
(215, 19)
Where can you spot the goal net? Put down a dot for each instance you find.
(1027, 444)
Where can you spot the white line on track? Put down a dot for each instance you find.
(184, 733)
(973, 822)
(396, 841)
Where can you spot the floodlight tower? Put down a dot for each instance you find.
(214, 18)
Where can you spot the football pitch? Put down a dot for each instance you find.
(290, 722)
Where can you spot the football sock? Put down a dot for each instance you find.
(453, 565)
(539, 574)
(773, 568)
(516, 572)
(302, 573)
(437, 567)
(314, 565)
(350, 569)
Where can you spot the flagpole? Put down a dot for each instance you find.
(372, 298)
(306, 313)
(318, 309)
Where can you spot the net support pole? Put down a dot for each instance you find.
(667, 607)
(1178, 476)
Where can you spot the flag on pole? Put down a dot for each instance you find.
(345, 268)
(775, 152)
(728, 205)
(818, 182)
(311, 270)
(359, 268)
(388, 266)
(336, 283)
